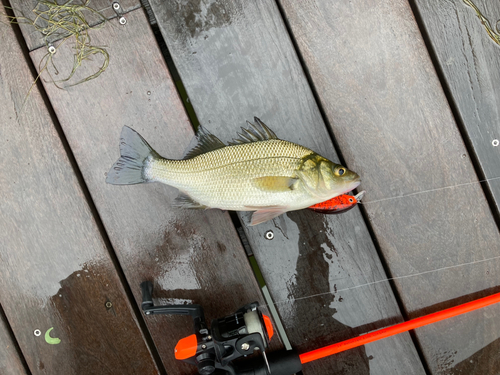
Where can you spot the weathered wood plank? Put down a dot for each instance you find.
(387, 110)
(35, 39)
(10, 358)
(236, 61)
(191, 255)
(56, 268)
(470, 62)
(484, 361)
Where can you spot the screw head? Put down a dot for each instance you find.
(203, 346)
(209, 337)
(269, 235)
(122, 20)
(245, 346)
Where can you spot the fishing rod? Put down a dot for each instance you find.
(226, 347)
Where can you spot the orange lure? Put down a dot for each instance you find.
(338, 205)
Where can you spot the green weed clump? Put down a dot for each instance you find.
(59, 23)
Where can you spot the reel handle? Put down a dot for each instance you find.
(196, 311)
(230, 338)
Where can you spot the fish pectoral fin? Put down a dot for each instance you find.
(264, 214)
(274, 183)
(185, 201)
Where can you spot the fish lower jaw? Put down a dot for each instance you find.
(350, 188)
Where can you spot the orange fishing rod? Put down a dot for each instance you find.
(237, 335)
(398, 328)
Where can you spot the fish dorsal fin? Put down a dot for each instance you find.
(255, 133)
(206, 142)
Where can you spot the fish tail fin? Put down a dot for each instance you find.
(136, 156)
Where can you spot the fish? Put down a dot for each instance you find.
(339, 204)
(257, 172)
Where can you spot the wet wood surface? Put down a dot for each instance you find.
(57, 275)
(386, 108)
(237, 61)
(470, 62)
(10, 358)
(36, 39)
(190, 255)
(484, 361)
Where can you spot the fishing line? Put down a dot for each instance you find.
(385, 280)
(431, 190)
(405, 276)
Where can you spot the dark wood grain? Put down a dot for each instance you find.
(10, 358)
(470, 62)
(55, 267)
(190, 255)
(35, 39)
(236, 61)
(485, 361)
(387, 110)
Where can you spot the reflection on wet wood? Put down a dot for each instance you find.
(388, 113)
(236, 61)
(56, 269)
(35, 39)
(190, 255)
(470, 62)
(10, 358)
(484, 361)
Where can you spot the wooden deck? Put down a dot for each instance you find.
(407, 94)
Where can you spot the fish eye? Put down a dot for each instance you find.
(339, 171)
(351, 200)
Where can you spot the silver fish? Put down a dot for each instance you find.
(255, 172)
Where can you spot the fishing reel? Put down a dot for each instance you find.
(229, 339)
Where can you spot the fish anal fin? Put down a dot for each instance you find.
(264, 214)
(274, 183)
(185, 201)
(206, 142)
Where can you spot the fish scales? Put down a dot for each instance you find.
(256, 172)
(223, 178)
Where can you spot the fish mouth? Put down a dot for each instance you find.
(352, 185)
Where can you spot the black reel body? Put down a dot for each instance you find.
(230, 338)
